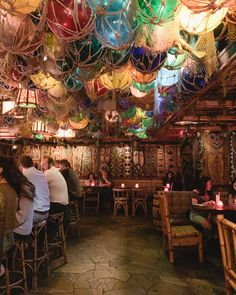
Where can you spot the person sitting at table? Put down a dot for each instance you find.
(232, 193)
(106, 189)
(91, 180)
(168, 178)
(204, 195)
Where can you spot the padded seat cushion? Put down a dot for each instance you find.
(184, 231)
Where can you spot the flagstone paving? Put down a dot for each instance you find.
(123, 256)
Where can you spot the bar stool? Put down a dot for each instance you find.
(74, 218)
(36, 256)
(139, 198)
(12, 280)
(121, 197)
(56, 241)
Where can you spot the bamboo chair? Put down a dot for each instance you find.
(121, 197)
(227, 238)
(177, 235)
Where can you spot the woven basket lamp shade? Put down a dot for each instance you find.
(27, 98)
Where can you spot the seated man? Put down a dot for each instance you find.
(71, 179)
(39, 180)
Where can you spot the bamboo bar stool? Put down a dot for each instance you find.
(227, 238)
(139, 198)
(12, 280)
(74, 218)
(36, 256)
(56, 241)
(121, 197)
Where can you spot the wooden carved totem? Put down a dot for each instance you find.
(216, 156)
(233, 155)
(187, 163)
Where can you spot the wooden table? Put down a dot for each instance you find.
(218, 211)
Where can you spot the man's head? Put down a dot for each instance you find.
(64, 164)
(26, 162)
(47, 163)
(57, 163)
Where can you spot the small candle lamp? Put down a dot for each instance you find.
(166, 189)
(168, 186)
(122, 185)
(93, 184)
(219, 204)
(136, 185)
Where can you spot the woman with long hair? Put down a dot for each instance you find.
(204, 196)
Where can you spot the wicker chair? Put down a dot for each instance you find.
(139, 198)
(177, 235)
(227, 237)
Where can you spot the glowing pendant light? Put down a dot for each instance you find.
(27, 98)
(200, 23)
(167, 78)
(65, 133)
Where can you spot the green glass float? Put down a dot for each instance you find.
(175, 61)
(148, 122)
(156, 11)
(72, 83)
(142, 135)
(65, 64)
(117, 58)
(144, 87)
(88, 51)
(129, 113)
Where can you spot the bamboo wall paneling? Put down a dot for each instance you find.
(150, 161)
(116, 161)
(160, 161)
(216, 156)
(233, 155)
(171, 157)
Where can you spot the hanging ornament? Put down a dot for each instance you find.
(112, 116)
(141, 77)
(156, 11)
(72, 83)
(145, 60)
(144, 87)
(77, 123)
(117, 31)
(200, 23)
(174, 61)
(171, 106)
(44, 81)
(117, 58)
(108, 6)
(167, 78)
(198, 6)
(193, 77)
(137, 93)
(15, 7)
(88, 51)
(118, 79)
(53, 46)
(95, 88)
(19, 34)
(69, 19)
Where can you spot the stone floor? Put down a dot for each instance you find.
(123, 256)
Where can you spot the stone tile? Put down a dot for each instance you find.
(88, 292)
(131, 291)
(104, 271)
(170, 289)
